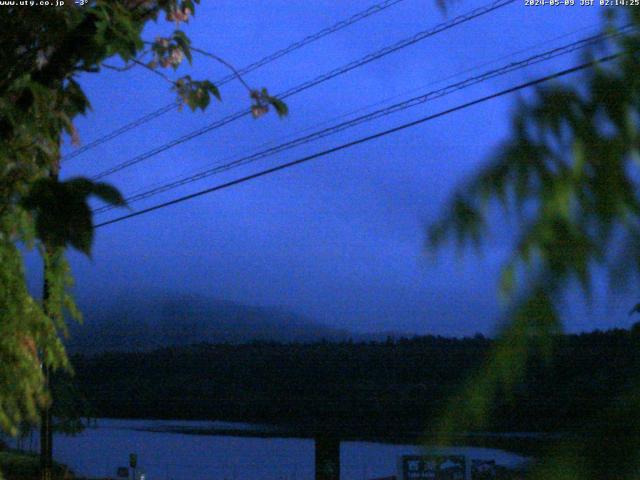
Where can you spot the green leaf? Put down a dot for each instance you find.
(62, 213)
(109, 194)
(182, 41)
(281, 108)
(212, 89)
(76, 98)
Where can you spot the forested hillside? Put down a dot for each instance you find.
(144, 322)
(376, 386)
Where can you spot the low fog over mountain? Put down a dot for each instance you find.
(135, 322)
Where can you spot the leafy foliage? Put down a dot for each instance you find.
(44, 51)
(262, 101)
(570, 173)
(61, 213)
(23, 327)
(196, 94)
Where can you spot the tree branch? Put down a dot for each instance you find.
(127, 66)
(225, 63)
(160, 74)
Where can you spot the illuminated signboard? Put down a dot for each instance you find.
(432, 467)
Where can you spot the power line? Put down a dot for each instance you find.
(125, 128)
(312, 38)
(369, 106)
(359, 141)
(313, 82)
(397, 107)
(379, 7)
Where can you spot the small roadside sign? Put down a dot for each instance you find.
(432, 467)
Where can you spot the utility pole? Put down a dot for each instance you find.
(327, 456)
(46, 419)
(46, 436)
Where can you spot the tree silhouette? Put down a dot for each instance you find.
(569, 174)
(44, 50)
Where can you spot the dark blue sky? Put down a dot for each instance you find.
(340, 239)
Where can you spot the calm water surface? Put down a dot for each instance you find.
(99, 450)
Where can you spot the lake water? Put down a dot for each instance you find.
(163, 455)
